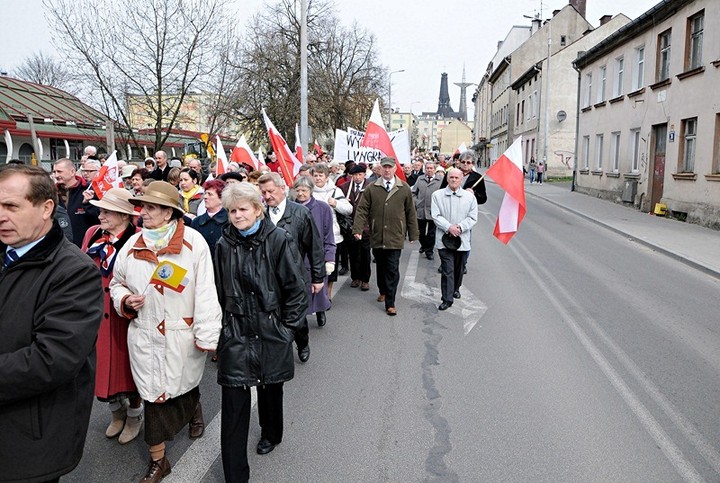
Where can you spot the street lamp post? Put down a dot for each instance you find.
(390, 95)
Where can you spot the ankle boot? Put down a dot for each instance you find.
(131, 429)
(197, 423)
(118, 422)
(157, 470)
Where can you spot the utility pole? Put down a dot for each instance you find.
(303, 75)
(390, 96)
(547, 97)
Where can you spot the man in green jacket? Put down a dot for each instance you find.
(387, 206)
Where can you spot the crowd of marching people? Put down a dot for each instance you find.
(194, 263)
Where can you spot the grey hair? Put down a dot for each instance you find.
(468, 155)
(426, 163)
(94, 162)
(304, 182)
(274, 177)
(321, 168)
(235, 193)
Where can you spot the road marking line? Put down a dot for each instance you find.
(197, 460)
(666, 445)
(469, 306)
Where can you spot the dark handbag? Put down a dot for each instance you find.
(346, 224)
(451, 242)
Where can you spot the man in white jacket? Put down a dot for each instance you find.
(454, 211)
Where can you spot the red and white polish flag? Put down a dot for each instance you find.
(242, 154)
(507, 172)
(377, 137)
(318, 149)
(289, 165)
(108, 176)
(299, 154)
(222, 161)
(460, 149)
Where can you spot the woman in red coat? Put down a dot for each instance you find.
(113, 379)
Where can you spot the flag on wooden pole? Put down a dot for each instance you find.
(289, 165)
(222, 161)
(242, 154)
(377, 137)
(108, 177)
(507, 172)
(298, 146)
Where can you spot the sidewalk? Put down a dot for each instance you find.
(693, 245)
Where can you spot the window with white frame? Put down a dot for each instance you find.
(619, 74)
(598, 151)
(635, 150)
(615, 152)
(535, 104)
(602, 81)
(586, 152)
(639, 70)
(588, 89)
(688, 134)
(663, 56)
(695, 40)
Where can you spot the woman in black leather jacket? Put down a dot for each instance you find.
(262, 294)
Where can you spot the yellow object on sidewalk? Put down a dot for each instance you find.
(660, 209)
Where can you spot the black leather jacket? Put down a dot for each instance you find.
(298, 221)
(264, 299)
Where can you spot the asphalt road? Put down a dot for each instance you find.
(574, 355)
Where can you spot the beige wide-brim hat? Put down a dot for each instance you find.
(116, 199)
(160, 193)
(128, 171)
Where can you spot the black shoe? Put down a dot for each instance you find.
(422, 250)
(321, 320)
(265, 446)
(445, 305)
(465, 271)
(439, 269)
(343, 271)
(430, 255)
(303, 355)
(456, 294)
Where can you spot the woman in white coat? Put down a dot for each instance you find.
(325, 190)
(164, 283)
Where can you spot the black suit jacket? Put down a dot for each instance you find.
(478, 190)
(298, 221)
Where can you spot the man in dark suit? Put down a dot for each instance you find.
(298, 221)
(466, 163)
(163, 167)
(359, 250)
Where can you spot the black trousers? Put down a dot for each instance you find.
(427, 234)
(234, 427)
(359, 259)
(343, 250)
(452, 264)
(387, 265)
(302, 335)
(270, 411)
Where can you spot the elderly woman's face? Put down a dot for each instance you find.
(154, 216)
(302, 194)
(213, 202)
(320, 179)
(112, 221)
(243, 215)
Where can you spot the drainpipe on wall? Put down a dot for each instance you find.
(577, 126)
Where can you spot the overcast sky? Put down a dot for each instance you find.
(425, 38)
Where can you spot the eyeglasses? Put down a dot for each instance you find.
(88, 170)
(466, 162)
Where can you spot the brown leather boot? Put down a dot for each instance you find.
(197, 423)
(157, 471)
